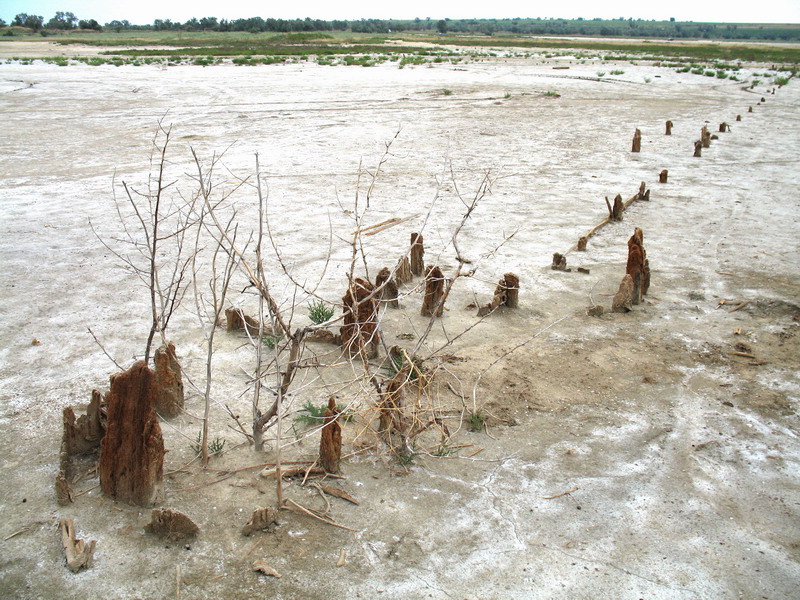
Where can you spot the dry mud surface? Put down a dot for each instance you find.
(681, 458)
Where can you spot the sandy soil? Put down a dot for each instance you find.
(682, 458)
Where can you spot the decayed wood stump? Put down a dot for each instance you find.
(738, 117)
(79, 554)
(131, 464)
(724, 127)
(763, 99)
(417, 254)
(618, 209)
(359, 334)
(236, 320)
(388, 287)
(705, 137)
(698, 148)
(171, 525)
(749, 109)
(505, 294)
(262, 518)
(330, 444)
(624, 296)
(390, 405)
(645, 277)
(433, 302)
(662, 177)
(582, 242)
(80, 437)
(669, 128)
(403, 272)
(635, 266)
(323, 336)
(637, 141)
(559, 262)
(169, 394)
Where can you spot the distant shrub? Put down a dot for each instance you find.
(618, 72)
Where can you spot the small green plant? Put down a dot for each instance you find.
(601, 73)
(552, 94)
(319, 312)
(722, 74)
(618, 72)
(476, 421)
(215, 447)
(310, 414)
(710, 73)
(781, 81)
(447, 92)
(405, 459)
(507, 96)
(271, 340)
(647, 80)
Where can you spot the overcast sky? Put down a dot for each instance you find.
(145, 11)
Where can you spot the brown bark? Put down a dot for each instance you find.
(635, 266)
(662, 177)
(738, 117)
(698, 148)
(582, 242)
(624, 296)
(637, 141)
(669, 128)
(236, 320)
(749, 109)
(80, 437)
(645, 277)
(323, 336)
(705, 137)
(388, 288)
(619, 207)
(131, 464)
(559, 262)
(391, 403)
(359, 332)
(262, 518)
(724, 127)
(434, 293)
(169, 394)
(403, 272)
(171, 525)
(78, 553)
(505, 294)
(417, 254)
(330, 444)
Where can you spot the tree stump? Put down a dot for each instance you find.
(618, 209)
(763, 99)
(359, 334)
(433, 302)
(635, 264)
(80, 437)
(403, 272)
(637, 141)
(698, 148)
(582, 242)
(559, 262)
(171, 525)
(643, 195)
(645, 277)
(236, 320)
(388, 288)
(417, 254)
(262, 518)
(705, 137)
(624, 296)
(131, 464)
(169, 394)
(749, 109)
(669, 128)
(79, 554)
(330, 444)
(738, 117)
(505, 294)
(662, 177)
(724, 127)
(390, 405)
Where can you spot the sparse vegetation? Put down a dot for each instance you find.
(476, 421)
(319, 312)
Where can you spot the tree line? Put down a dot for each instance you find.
(620, 27)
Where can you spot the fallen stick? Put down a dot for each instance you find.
(744, 354)
(316, 516)
(559, 495)
(383, 225)
(16, 533)
(338, 493)
(605, 221)
(78, 552)
(738, 306)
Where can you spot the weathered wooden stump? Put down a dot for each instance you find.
(505, 294)
(698, 148)
(662, 177)
(359, 334)
(705, 137)
(417, 254)
(80, 437)
(635, 264)
(724, 127)
(403, 272)
(78, 553)
(624, 296)
(330, 443)
(387, 287)
(559, 262)
(262, 518)
(390, 405)
(434, 293)
(618, 209)
(582, 242)
(644, 193)
(637, 141)
(738, 117)
(749, 109)
(236, 320)
(645, 276)
(171, 525)
(763, 99)
(669, 128)
(131, 464)
(169, 395)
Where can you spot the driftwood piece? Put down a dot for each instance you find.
(323, 336)
(171, 525)
(618, 209)
(417, 254)
(262, 518)
(237, 320)
(738, 117)
(643, 192)
(724, 127)
(359, 334)
(433, 302)
(169, 394)
(402, 273)
(636, 146)
(260, 566)
(635, 266)
(388, 287)
(339, 493)
(698, 148)
(662, 177)
(79, 554)
(623, 299)
(669, 128)
(559, 262)
(131, 464)
(330, 443)
(505, 294)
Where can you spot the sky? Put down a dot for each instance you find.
(143, 12)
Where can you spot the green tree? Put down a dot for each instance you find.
(34, 22)
(62, 20)
(442, 26)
